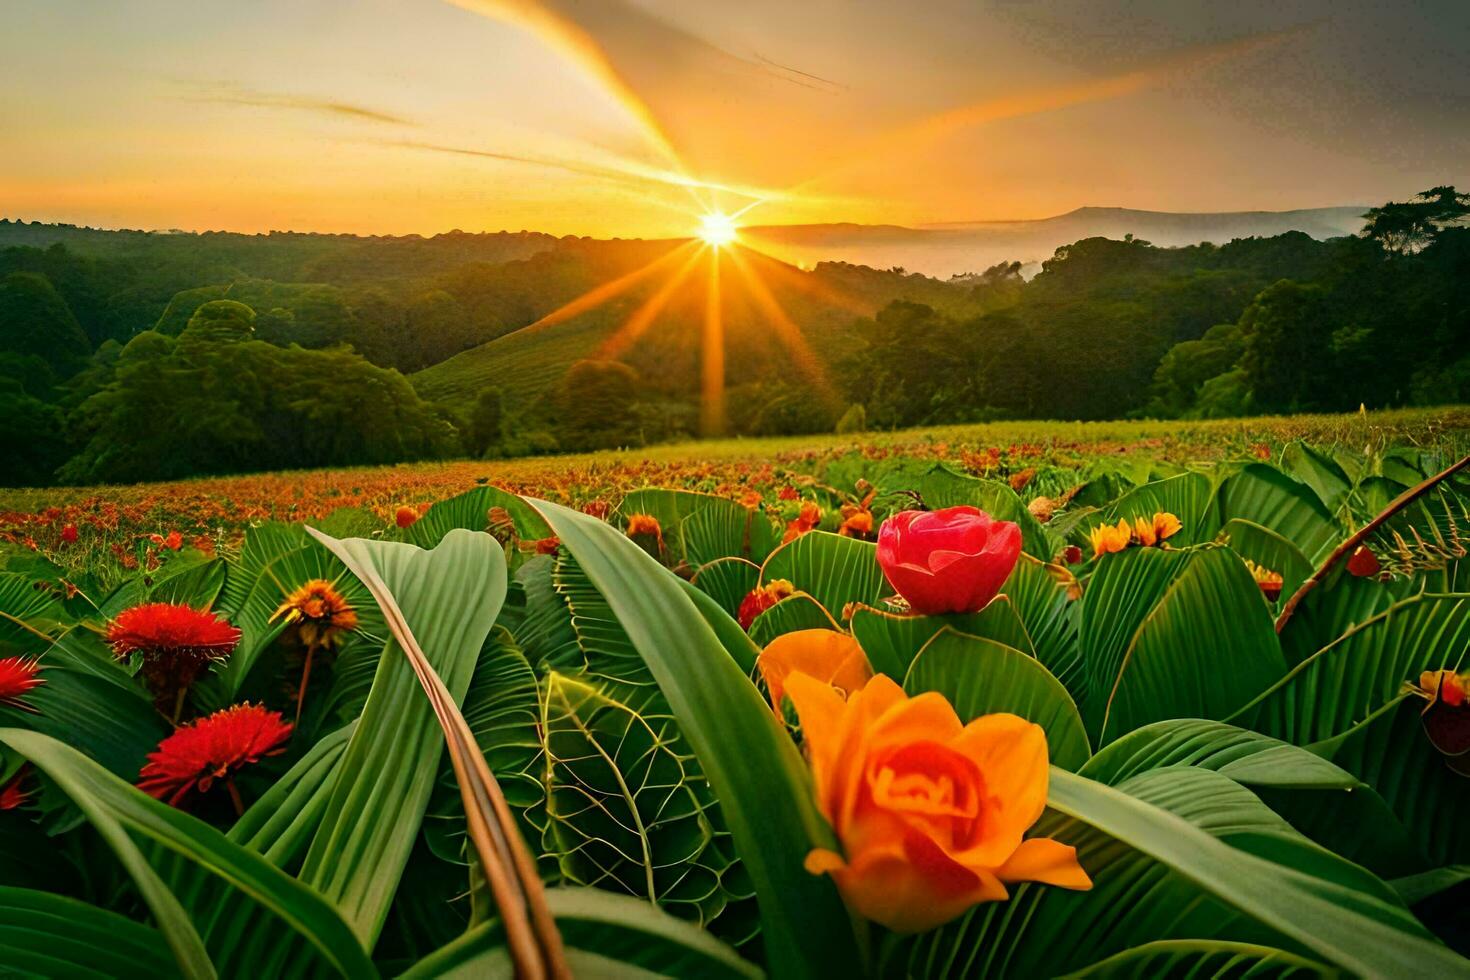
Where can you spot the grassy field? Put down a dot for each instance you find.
(216, 510)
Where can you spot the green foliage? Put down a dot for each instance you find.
(597, 405)
(487, 422)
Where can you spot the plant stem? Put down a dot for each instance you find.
(235, 796)
(1347, 547)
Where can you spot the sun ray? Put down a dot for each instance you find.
(598, 295)
(712, 367)
(807, 282)
(640, 320)
(787, 332)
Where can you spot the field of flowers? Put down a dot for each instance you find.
(1049, 700)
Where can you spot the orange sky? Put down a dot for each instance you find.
(629, 117)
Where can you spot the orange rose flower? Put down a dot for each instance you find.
(930, 813)
(828, 656)
(1150, 532)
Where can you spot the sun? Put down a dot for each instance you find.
(717, 228)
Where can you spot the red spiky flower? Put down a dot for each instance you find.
(175, 641)
(11, 793)
(213, 749)
(18, 675)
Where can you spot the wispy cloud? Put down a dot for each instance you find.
(227, 94)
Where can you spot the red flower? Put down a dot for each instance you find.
(17, 676)
(1363, 562)
(11, 795)
(947, 561)
(175, 641)
(69, 534)
(759, 599)
(1071, 554)
(217, 747)
(405, 516)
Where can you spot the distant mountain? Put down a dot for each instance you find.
(963, 247)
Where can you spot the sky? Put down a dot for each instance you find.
(630, 118)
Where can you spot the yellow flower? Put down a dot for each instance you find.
(1269, 581)
(1107, 538)
(1150, 532)
(320, 613)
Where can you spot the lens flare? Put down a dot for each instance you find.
(717, 228)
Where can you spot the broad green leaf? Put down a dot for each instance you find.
(892, 641)
(1320, 799)
(1197, 958)
(1318, 471)
(625, 811)
(728, 581)
(1352, 677)
(1266, 496)
(1339, 603)
(615, 935)
(754, 769)
(450, 597)
(545, 630)
(981, 676)
(1390, 752)
(151, 838)
(727, 529)
(1045, 597)
(1186, 496)
(795, 612)
(51, 936)
(833, 570)
(1270, 551)
(1122, 591)
(471, 511)
(1203, 651)
(1356, 930)
(30, 617)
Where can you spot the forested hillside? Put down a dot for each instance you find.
(130, 355)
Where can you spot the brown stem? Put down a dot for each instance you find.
(235, 796)
(179, 705)
(305, 676)
(1347, 547)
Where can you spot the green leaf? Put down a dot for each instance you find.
(982, 676)
(892, 641)
(1203, 651)
(754, 769)
(1198, 958)
(625, 811)
(728, 581)
(833, 570)
(471, 511)
(1186, 496)
(1122, 591)
(150, 838)
(795, 612)
(1322, 800)
(1044, 598)
(1356, 930)
(1352, 677)
(51, 936)
(727, 529)
(1270, 551)
(1318, 471)
(616, 935)
(29, 616)
(450, 597)
(1266, 496)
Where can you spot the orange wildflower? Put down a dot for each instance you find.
(1108, 538)
(806, 520)
(826, 655)
(320, 614)
(405, 516)
(1442, 687)
(1151, 531)
(1269, 581)
(931, 813)
(857, 521)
